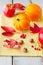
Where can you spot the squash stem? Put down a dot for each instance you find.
(12, 1)
(30, 1)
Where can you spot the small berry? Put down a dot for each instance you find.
(32, 46)
(25, 50)
(23, 36)
(21, 42)
(32, 40)
(39, 49)
(36, 48)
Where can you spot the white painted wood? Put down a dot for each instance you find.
(5, 61)
(28, 61)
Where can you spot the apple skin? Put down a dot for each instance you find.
(8, 10)
(40, 37)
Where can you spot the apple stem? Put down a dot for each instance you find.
(12, 1)
(30, 1)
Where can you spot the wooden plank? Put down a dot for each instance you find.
(28, 61)
(5, 61)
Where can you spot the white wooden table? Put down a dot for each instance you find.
(21, 60)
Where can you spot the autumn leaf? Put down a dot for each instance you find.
(35, 29)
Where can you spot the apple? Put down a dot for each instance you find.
(40, 36)
(8, 10)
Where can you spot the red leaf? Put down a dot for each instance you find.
(8, 29)
(18, 6)
(35, 29)
(7, 33)
(23, 36)
(12, 44)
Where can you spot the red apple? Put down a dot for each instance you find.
(8, 10)
(40, 37)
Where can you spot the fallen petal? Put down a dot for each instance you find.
(7, 33)
(8, 29)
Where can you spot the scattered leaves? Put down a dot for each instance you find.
(12, 43)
